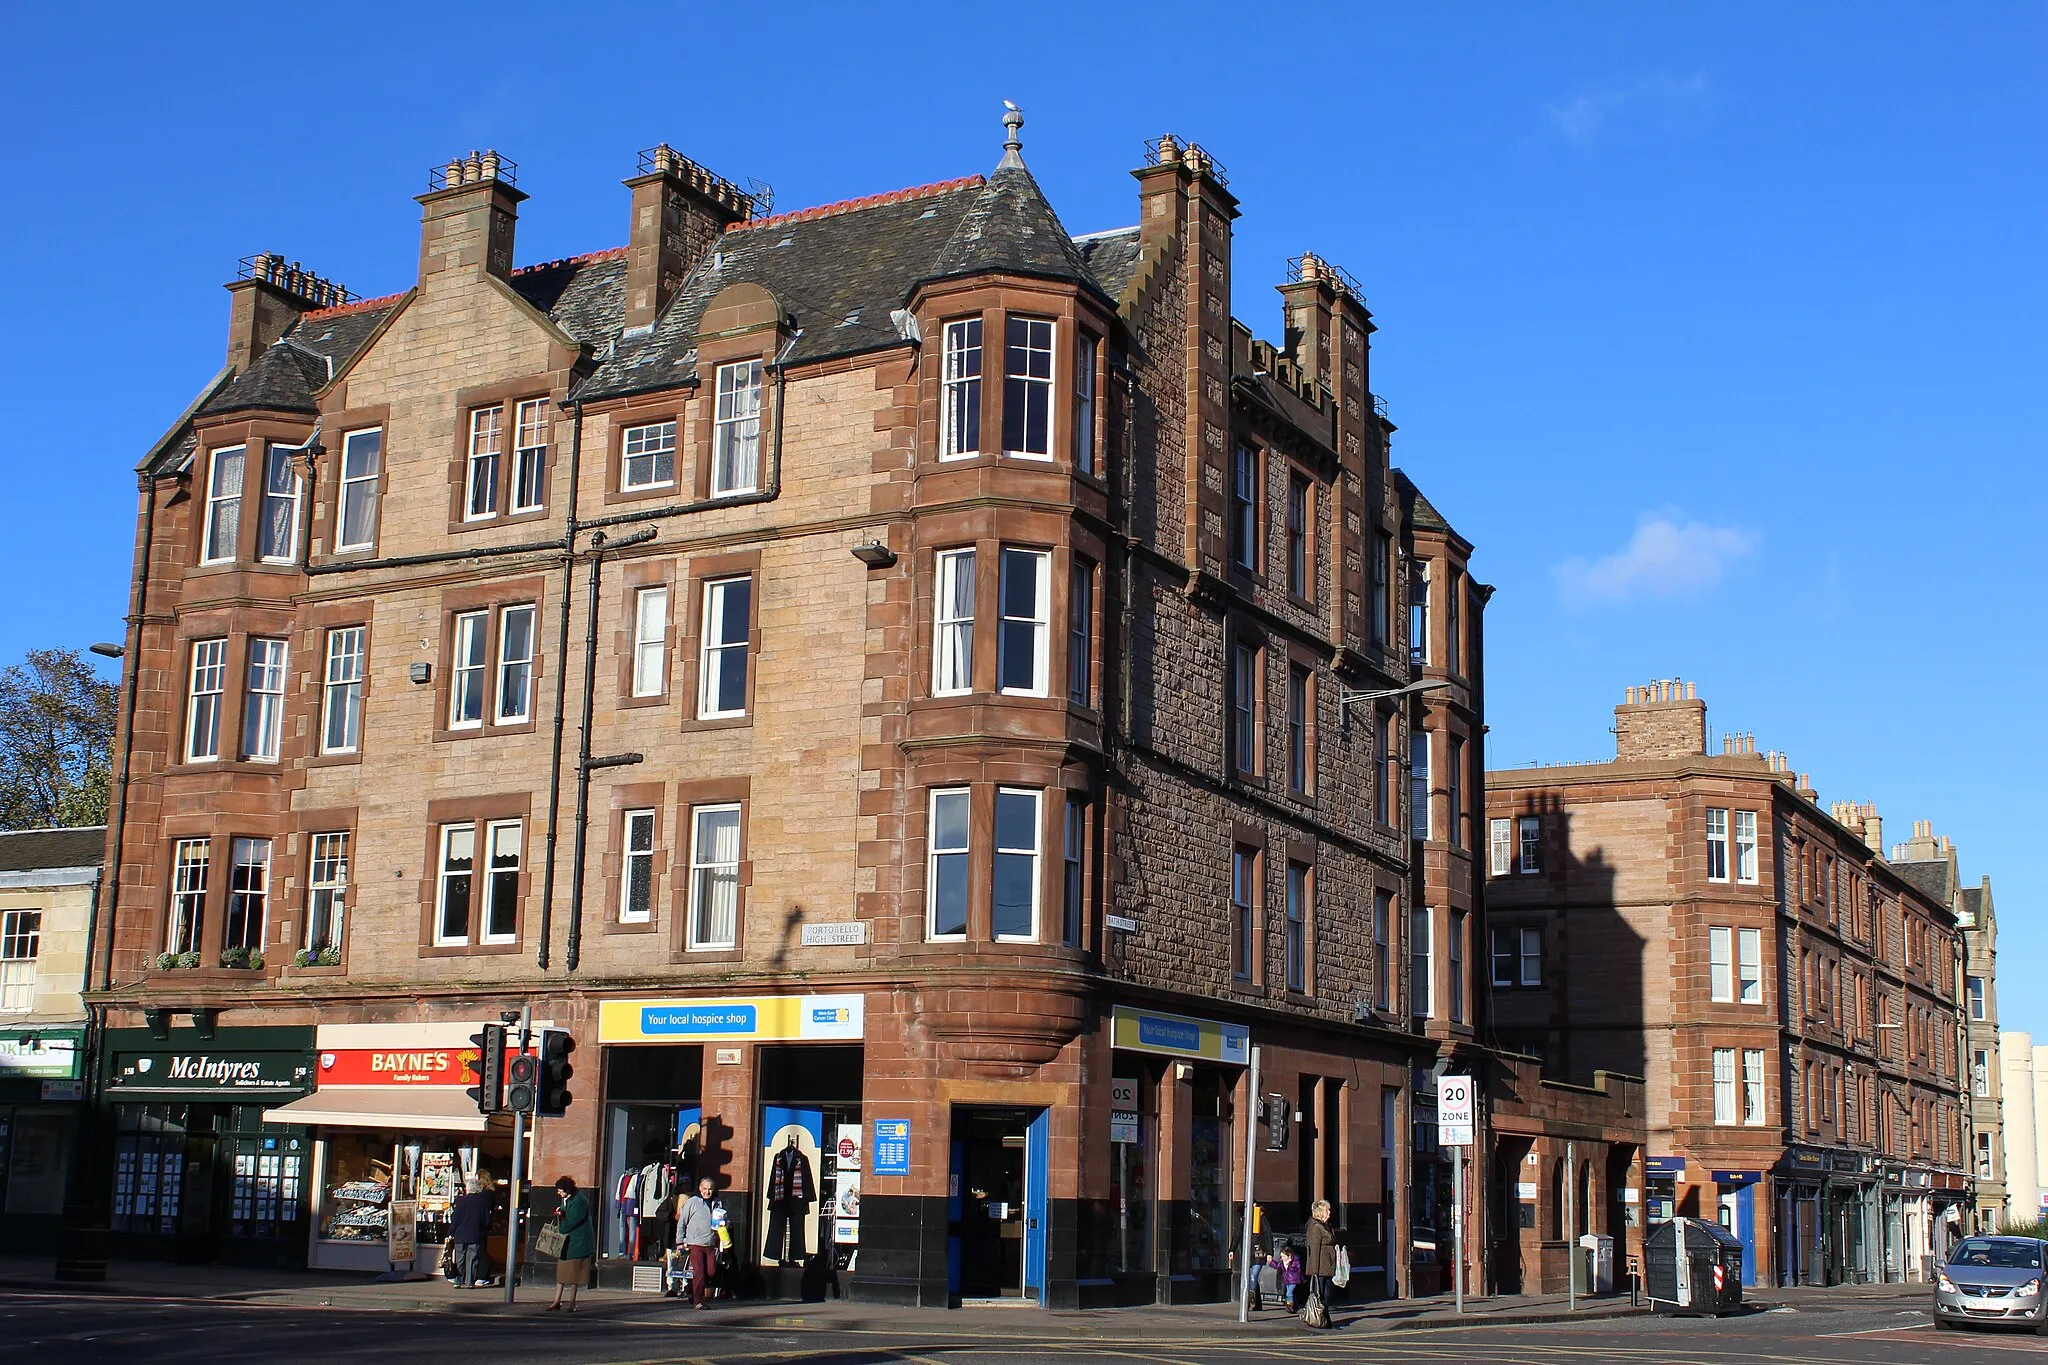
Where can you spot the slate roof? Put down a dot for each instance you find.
(1973, 901)
(25, 850)
(1928, 876)
(1422, 515)
(839, 271)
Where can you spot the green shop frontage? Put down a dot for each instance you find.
(41, 1089)
(198, 1176)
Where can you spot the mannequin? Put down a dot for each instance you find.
(792, 1189)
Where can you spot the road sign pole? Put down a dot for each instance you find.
(1458, 1226)
(1249, 1116)
(519, 1171)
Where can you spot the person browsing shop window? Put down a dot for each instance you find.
(578, 1227)
(469, 1225)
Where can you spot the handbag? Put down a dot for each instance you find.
(1341, 1276)
(550, 1241)
(1313, 1312)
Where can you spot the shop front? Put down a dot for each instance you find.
(41, 1087)
(395, 1138)
(1169, 1225)
(1801, 1175)
(784, 1136)
(1739, 1200)
(201, 1172)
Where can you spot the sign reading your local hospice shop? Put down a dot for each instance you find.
(1177, 1035)
(764, 1019)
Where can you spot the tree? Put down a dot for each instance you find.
(56, 741)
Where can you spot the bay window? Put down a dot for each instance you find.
(223, 525)
(1027, 387)
(946, 875)
(1023, 641)
(277, 523)
(953, 624)
(1013, 910)
(960, 385)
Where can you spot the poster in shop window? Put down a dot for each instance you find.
(846, 1188)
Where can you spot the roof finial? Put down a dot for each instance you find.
(1013, 146)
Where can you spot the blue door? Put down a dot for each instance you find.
(1738, 1215)
(1036, 1140)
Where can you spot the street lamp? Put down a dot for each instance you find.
(108, 651)
(1345, 699)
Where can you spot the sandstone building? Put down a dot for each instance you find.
(904, 684)
(1791, 997)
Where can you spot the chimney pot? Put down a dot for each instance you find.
(490, 165)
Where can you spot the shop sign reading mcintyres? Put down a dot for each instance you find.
(1177, 1035)
(768, 1018)
(234, 1073)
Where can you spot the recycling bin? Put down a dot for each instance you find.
(1693, 1266)
(1596, 1253)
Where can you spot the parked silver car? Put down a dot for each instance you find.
(1995, 1281)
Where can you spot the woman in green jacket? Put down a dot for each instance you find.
(579, 1243)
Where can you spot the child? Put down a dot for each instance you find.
(1287, 1272)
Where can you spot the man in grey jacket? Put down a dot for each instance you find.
(697, 1232)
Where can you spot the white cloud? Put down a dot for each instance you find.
(1662, 94)
(1666, 557)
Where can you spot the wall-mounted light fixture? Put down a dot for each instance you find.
(874, 554)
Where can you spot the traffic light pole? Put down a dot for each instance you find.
(519, 1171)
(1249, 1278)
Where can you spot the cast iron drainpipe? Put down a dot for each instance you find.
(585, 764)
(547, 886)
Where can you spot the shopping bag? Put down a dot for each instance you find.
(1313, 1312)
(549, 1241)
(1341, 1276)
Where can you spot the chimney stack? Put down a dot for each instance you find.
(467, 218)
(679, 211)
(267, 298)
(1662, 720)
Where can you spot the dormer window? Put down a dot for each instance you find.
(1027, 388)
(736, 429)
(223, 505)
(960, 403)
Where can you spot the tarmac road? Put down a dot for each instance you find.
(136, 1330)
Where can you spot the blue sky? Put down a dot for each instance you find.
(1713, 325)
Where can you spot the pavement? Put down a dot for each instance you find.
(337, 1290)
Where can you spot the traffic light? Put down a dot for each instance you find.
(555, 1071)
(489, 1066)
(522, 1082)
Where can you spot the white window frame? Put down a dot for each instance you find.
(1500, 846)
(444, 876)
(224, 509)
(704, 870)
(1717, 843)
(1725, 1097)
(1980, 1072)
(1529, 843)
(1749, 966)
(515, 671)
(952, 631)
(263, 699)
(1418, 611)
(531, 433)
(481, 471)
(1753, 1102)
(1035, 628)
(1531, 965)
(273, 453)
(960, 389)
(934, 851)
(1422, 962)
(1745, 847)
(1419, 826)
(1033, 854)
(1977, 995)
(327, 890)
(1721, 965)
(191, 870)
(469, 667)
(718, 655)
(487, 903)
(206, 700)
(1086, 351)
(361, 477)
(341, 691)
(248, 886)
(736, 430)
(1031, 387)
(21, 938)
(638, 831)
(650, 642)
(648, 442)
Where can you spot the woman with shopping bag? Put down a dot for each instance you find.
(1321, 1264)
(573, 1235)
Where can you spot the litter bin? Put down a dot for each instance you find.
(1597, 1253)
(1694, 1266)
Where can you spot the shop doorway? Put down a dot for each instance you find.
(998, 1179)
(1738, 1215)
